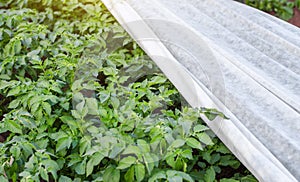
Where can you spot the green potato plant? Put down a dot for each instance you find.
(71, 111)
(284, 9)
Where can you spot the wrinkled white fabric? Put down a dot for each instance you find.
(225, 55)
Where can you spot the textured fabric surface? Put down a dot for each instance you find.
(246, 61)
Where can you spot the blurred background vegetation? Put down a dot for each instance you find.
(283, 9)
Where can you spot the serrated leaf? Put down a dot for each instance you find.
(126, 162)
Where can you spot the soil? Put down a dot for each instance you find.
(296, 18)
(3, 136)
(228, 172)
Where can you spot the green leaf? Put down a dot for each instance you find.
(44, 174)
(177, 143)
(63, 143)
(223, 149)
(109, 71)
(199, 128)
(81, 167)
(17, 46)
(192, 142)
(63, 178)
(143, 145)
(15, 151)
(158, 80)
(228, 180)
(111, 175)
(117, 149)
(92, 105)
(84, 144)
(149, 162)
(13, 127)
(89, 168)
(47, 107)
(187, 154)
(184, 176)
(129, 176)
(115, 102)
(210, 116)
(173, 176)
(139, 172)
(14, 104)
(123, 79)
(94, 160)
(51, 167)
(126, 162)
(131, 149)
(210, 175)
(104, 96)
(76, 85)
(157, 176)
(204, 138)
(14, 91)
(4, 84)
(3, 179)
(171, 161)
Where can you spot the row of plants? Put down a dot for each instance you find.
(80, 101)
(284, 9)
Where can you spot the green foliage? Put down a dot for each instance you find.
(284, 9)
(77, 109)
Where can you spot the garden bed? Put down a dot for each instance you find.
(80, 101)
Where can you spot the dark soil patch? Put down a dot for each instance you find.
(228, 172)
(3, 136)
(296, 18)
